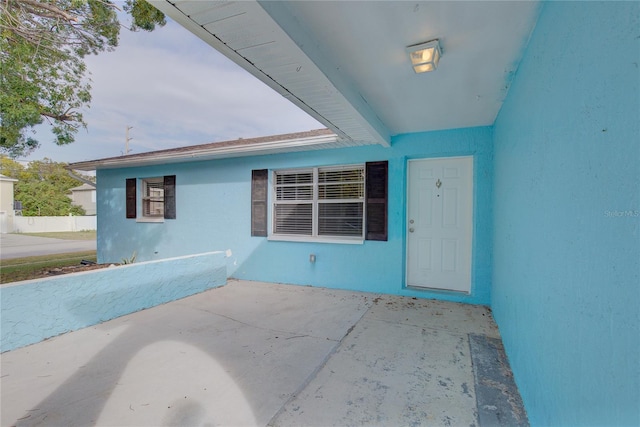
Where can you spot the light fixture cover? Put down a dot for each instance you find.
(425, 56)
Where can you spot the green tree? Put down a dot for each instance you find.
(42, 71)
(11, 168)
(42, 198)
(42, 187)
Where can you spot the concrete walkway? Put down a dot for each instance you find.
(19, 245)
(256, 354)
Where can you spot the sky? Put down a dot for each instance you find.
(173, 90)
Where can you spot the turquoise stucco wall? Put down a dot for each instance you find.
(35, 310)
(213, 213)
(566, 275)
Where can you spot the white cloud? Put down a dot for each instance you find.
(174, 90)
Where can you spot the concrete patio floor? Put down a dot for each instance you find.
(256, 354)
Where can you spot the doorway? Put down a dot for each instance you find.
(440, 223)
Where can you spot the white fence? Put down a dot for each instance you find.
(45, 224)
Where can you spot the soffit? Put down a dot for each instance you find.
(345, 62)
(245, 33)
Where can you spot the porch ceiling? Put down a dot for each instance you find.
(345, 63)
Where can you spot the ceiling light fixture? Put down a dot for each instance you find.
(425, 56)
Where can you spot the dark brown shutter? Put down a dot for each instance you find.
(376, 200)
(259, 188)
(131, 198)
(170, 197)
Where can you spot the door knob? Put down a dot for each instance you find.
(411, 230)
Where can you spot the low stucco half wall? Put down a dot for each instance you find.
(35, 310)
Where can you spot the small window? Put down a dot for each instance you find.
(153, 197)
(156, 200)
(319, 203)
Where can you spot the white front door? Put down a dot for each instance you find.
(440, 223)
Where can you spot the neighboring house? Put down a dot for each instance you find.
(512, 176)
(85, 197)
(6, 204)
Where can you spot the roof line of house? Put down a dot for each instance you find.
(84, 181)
(314, 139)
(7, 178)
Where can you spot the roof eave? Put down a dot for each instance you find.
(211, 153)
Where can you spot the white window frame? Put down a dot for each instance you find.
(145, 217)
(315, 202)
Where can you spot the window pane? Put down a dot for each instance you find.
(341, 191)
(153, 198)
(293, 219)
(341, 175)
(294, 185)
(153, 207)
(340, 219)
(154, 189)
(302, 192)
(341, 183)
(283, 178)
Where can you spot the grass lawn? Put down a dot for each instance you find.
(67, 235)
(33, 267)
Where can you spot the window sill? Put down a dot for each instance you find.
(309, 239)
(149, 219)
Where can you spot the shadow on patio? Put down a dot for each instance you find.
(253, 353)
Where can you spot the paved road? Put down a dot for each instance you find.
(18, 246)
